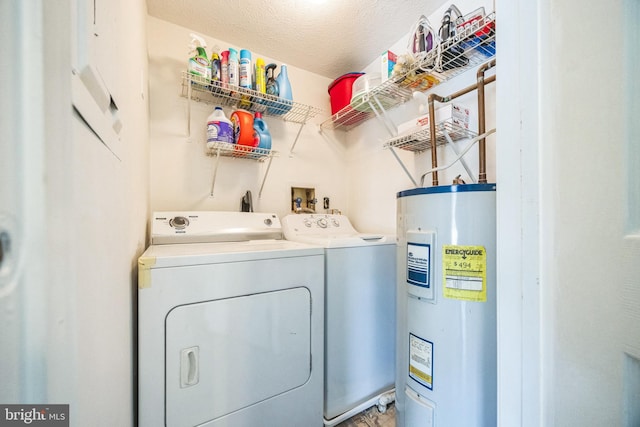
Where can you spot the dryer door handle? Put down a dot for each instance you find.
(189, 366)
(371, 237)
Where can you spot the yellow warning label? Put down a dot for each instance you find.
(421, 360)
(464, 270)
(413, 371)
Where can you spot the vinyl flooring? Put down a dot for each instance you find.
(372, 418)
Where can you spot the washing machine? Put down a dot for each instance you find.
(360, 271)
(230, 323)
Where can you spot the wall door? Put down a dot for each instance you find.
(568, 213)
(21, 204)
(630, 242)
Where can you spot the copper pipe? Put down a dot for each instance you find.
(432, 133)
(432, 119)
(482, 146)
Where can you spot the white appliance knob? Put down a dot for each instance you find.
(307, 223)
(179, 222)
(268, 221)
(322, 223)
(335, 222)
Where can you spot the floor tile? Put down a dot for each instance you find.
(372, 418)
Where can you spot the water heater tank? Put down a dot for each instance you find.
(446, 340)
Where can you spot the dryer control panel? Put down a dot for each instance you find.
(211, 226)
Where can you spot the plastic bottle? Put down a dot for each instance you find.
(215, 66)
(224, 68)
(233, 67)
(284, 86)
(219, 128)
(271, 83)
(243, 131)
(261, 76)
(284, 92)
(262, 132)
(245, 69)
(198, 62)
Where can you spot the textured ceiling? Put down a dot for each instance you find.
(327, 37)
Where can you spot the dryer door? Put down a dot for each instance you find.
(226, 355)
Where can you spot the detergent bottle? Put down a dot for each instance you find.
(199, 63)
(219, 128)
(284, 92)
(242, 121)
(284, 86)
(262, 132)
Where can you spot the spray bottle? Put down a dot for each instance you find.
(198, 62)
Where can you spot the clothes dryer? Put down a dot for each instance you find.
(230, 323)
(360, 312)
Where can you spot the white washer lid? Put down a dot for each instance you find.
(329, 231)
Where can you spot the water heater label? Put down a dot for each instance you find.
(464, 272)
(421, 360)
(418, 264)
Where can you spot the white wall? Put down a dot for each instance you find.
(518, 172)
(181, 172)
(581, 208)
(97, 209)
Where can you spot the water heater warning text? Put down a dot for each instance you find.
(421, 360)
(418, 264)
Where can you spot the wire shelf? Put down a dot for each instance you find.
(213, 92)
(420, 141)
(226, 149)
(472, 45)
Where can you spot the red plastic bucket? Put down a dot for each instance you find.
(340, 91)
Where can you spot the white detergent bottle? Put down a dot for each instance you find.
(219, 128)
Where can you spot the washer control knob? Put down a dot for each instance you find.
(307, 223)
(268, 222)
(322, 223)
(335, 222)
(179, 222)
